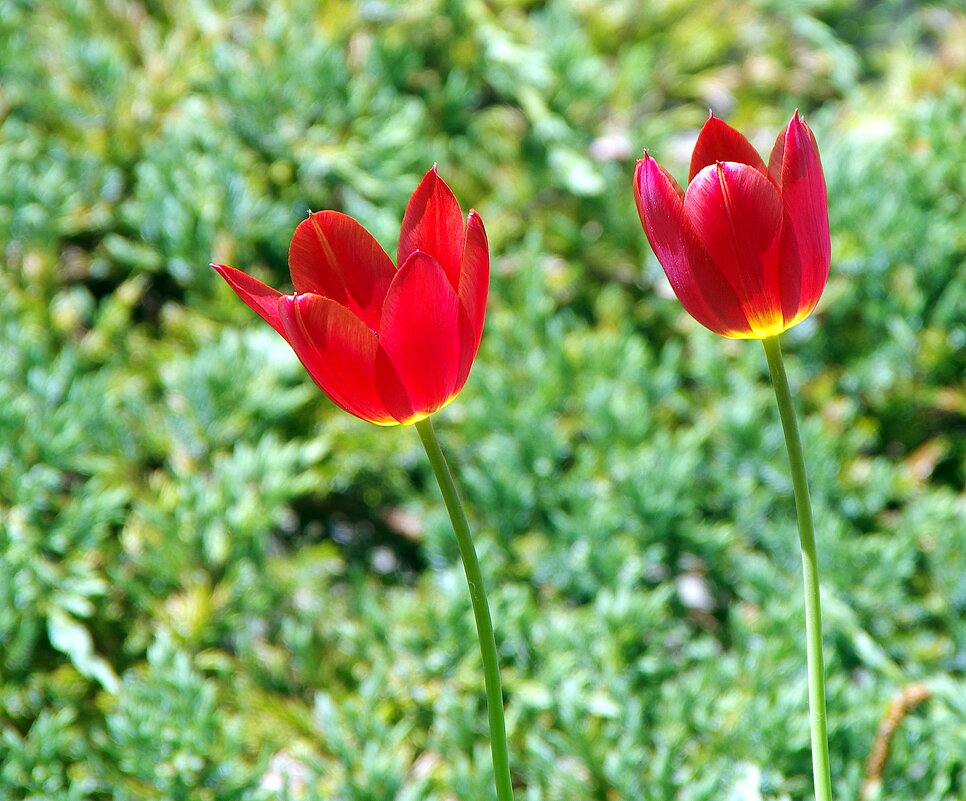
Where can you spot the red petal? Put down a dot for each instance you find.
(433, 224)
(718, 141)
(473, 289)
(777, 157)
(332, 255)
(263, 299)
(737, 215)
(806, 248)
(420, 337)
(338, 350)
(699, 285)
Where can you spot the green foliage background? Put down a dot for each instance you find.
(214, 585)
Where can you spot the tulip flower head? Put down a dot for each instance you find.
(746, 248)
(388, 345)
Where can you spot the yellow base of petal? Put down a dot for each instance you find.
(409, 421)
(766, 327)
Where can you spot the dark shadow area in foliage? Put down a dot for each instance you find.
(364, 535)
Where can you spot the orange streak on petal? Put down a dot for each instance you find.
(334, 256)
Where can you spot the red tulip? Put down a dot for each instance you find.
(388, 345)
(746, 248)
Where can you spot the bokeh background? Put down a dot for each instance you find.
(215, 585)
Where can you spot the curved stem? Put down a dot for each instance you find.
(481, 610)
(813, 607)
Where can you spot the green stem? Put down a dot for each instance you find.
(481, 610)
(813, 606)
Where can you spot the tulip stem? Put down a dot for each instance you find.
(813, 606)
(481, 610)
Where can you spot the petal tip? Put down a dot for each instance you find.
(640, 167)
(473, 218)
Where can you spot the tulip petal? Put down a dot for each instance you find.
(473, 289)
(777, 157)
(420, 337)
(718, 141)
(433, 224)
(696, 280)
(339, 351)
(805, 247)
(737, 215)
(260, 297)
(332, 255)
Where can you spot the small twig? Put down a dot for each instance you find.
(909, 698)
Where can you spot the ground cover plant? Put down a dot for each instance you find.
(216, 585)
